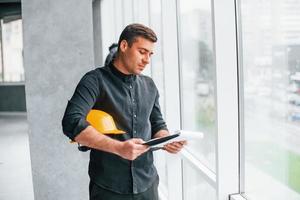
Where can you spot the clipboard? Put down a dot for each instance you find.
(156, 141)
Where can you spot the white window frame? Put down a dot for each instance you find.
(226, 179)
(227, 98)
(236, 197)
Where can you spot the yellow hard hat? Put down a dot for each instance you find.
(102, 122)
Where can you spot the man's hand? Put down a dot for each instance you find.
(131, 149)
(175, 147)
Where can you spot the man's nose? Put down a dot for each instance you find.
(146, 59)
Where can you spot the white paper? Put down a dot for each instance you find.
(184, 135)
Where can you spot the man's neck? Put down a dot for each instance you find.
(120, 65)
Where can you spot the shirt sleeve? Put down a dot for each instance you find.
(83, 99)
(156, 118)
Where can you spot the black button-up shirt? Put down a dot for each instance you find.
(132, 101)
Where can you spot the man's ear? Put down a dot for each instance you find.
(123, 45)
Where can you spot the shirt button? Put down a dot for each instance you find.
(130, 86)
(134, 131)
(133, 100)
(134, 115)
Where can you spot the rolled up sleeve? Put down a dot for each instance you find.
(82, 101)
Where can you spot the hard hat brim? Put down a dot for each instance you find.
(103, 122)
(114, 132)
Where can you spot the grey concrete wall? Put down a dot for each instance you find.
(58, 50)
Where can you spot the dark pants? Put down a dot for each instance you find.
(98, 193)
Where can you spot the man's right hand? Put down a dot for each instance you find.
(131, 149)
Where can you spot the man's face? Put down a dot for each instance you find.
(136, 57)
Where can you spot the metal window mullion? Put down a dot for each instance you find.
(180, 92)
(149, 14)
(179, 62)
(227, 98)
(150, 25)
(241, 98)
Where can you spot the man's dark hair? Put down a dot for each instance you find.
(113, 48)
(132, 31)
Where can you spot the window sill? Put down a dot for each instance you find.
(236, 197)
(209, 175)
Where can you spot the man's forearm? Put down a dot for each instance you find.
(161, 133)
(129, 149)
(90, 137)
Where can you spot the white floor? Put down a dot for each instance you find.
(15, 166)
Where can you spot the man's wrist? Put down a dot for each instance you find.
(161, 133)
(117, 147)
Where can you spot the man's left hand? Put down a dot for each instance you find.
(174, 147)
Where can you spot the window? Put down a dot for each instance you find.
(141, 15)
(157, 67)
(127, 11)
(119, 17)
(271, 92)
(11, 48)
(157, 73)
(198, 77)
(195, 185)
(141, 11)
(108, 21)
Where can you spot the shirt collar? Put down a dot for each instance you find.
(128, 78)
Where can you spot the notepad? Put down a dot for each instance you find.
(160, 140)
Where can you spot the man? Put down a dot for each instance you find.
(121, 167)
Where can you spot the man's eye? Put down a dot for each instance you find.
(142, 52)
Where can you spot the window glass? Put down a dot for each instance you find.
(198, 77)
(12, 48)
(141, 11)
(195, 186)
(157, 68)
(108, 22)
(271, 92)
(119, 18)
(128, 11)
(141, 15)
(157, 72)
